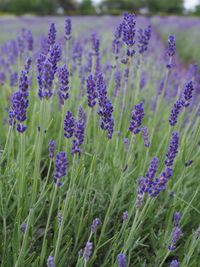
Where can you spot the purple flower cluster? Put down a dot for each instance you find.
(51, 261)
(171, 50)
(79, 130)
(136, 118)
(91, 91)
(105, 107)
(95, 43)
(175, 263)
(117, 43)
(121, 258)
(20, 103)
(143, 39)
(176, 233)
(63, 78)
(68, 28)
(187, 94)
(96, 222)
(172, 150)
(55, 56)
(128, 32)
(52, 146)
(61, 164)
(175, 112)
(145, 134)
(87, 251)
(69, 124)
(52, 35)
(184, 101)
(45, 77)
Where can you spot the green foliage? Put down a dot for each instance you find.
(86, 7)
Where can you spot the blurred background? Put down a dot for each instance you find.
(100, 7)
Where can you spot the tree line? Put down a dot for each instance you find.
(45, 7)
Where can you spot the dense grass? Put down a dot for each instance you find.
(102, 182)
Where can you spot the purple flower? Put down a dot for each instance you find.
(175, 112)
(128, 32)
(95, 43)
(52, 146)
(105, 107)
(79, 132)
(125, 216)
(91, 91)
(152, 168)
(68, 28)
(29, 40)
(121, 258)
(175, 263)
(159, 184)
(20, 103)
(176, 235)
(87, 251)
(61, 164)
(45, 77)
(96, 222)
(136, 118)
(145, 134)
(52, 35)
(23, 227)
(50, 261)
(55, 56)
(27, 65)
(176, 218)
(187, 94)
(63, 78)
(171, 50)
(172, 150)
(188, 163)
(69, 124)
(143, 39)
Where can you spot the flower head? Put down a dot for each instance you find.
(63, 77)
(61, 163)
(172, 150)
(175, 263)
(68, 28)
(121, 258)
(52, 146)
(87, 251)
(52, 34)
(96, 222)
(69, 124)
(136, 118)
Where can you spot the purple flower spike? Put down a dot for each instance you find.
(45, 78)
(96, 222)
(171, 50)
(91, 91)
(63, 77)
(145, 134)
(121, 258)
(105, 107)
(55, 56)
(52, 146)
(61, 164)
(176, 235)
(52, 35)
(175, 263)
(172, 150)
(69, 125)
(95, 43)
(87, 251)
(50, 261)
(68, 28)
(187, 94)
(143, 39)
(128, 32)
(136, 118)
(79, 132)
(176, 218)
(175, 112)
(152, 168)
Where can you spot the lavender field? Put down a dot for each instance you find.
(100, 142)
